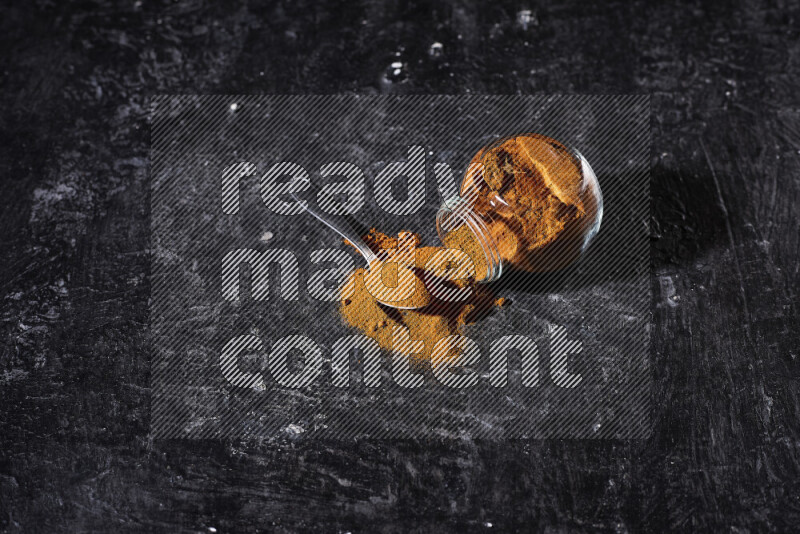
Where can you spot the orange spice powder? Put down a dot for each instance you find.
(429, 324)
(530, 196)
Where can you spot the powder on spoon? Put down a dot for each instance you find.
(429, 324)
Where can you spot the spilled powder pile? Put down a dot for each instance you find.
(429, 324)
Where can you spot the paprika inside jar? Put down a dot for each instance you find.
(526, 202)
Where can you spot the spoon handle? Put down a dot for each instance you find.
(337, 223)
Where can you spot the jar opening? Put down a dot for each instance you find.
(456, 213)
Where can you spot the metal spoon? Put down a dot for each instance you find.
(340, 225)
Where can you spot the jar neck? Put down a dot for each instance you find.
(457, 212)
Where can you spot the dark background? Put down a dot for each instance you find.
(75, 455)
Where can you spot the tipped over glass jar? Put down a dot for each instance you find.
(526, 202)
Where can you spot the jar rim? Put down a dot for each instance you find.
(458, 208)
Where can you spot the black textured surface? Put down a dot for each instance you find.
(74, 449)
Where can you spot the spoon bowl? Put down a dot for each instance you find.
(342, 227)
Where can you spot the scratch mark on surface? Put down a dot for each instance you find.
(724, 208)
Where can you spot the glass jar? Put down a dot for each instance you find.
(526, 202)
